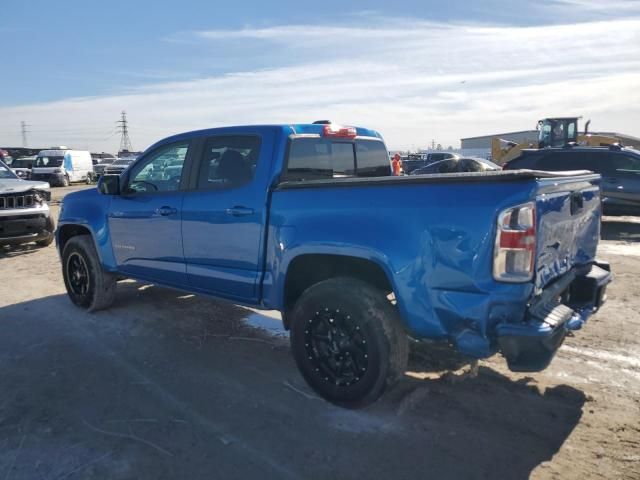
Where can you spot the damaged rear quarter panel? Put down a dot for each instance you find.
(434, 241)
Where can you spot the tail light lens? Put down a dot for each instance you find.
(515, 248)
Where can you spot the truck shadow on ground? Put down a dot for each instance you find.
(160, 355)
(620, 230)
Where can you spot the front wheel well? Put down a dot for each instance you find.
(307, 270)
(66, 232)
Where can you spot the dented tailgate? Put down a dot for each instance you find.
(568, 216)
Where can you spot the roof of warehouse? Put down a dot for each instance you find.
(610, 134)
(498, 134)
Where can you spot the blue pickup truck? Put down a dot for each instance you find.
(306, 219)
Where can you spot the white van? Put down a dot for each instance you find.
(62, 166)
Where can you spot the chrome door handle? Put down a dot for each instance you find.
(239, 211)
(166, 211)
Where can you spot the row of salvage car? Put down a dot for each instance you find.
(61, 166)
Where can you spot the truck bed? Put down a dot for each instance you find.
(434, 237)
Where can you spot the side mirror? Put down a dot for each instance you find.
(109, 185)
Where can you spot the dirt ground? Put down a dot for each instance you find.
(170, 385)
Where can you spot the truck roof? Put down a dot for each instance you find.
(287, 129)
(58, 152)
(579, 148)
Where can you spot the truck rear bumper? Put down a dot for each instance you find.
(530, 346)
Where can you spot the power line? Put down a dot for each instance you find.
(125, 141)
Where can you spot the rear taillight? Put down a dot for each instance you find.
(515, 248)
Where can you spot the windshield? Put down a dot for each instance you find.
(5, 172)
(97, 160)
(122, 162)
(22, 163)
(49, 161)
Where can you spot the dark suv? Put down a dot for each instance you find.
(619, 167)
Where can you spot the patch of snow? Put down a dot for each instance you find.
(625, 249)
(268, 321)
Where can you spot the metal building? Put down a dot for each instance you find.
(484, 142)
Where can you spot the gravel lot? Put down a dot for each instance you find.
(170, 385)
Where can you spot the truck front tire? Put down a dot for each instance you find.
(88, 285)
(348, 341)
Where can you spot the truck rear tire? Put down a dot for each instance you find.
(348, 341)
(88, 285)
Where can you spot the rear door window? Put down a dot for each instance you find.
(626, 164)
(228, 161)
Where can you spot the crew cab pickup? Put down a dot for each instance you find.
(307, 219)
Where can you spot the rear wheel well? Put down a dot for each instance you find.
(307, 270)
(68, 231)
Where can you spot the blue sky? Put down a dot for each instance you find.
(415, 70)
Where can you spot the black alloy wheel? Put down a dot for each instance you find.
(335, 343)
(348, 341)
(78, 274)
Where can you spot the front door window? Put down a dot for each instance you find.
(161, 172)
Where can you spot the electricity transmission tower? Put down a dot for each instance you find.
(23, 129)
(125, 141)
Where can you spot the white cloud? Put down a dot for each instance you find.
(416, 83)
(613, 7)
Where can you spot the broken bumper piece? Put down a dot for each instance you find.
(530, 346)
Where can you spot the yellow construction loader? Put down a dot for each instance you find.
(552, 132)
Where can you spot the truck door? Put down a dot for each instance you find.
(144, 221)
(225, 214)
(621, 180)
